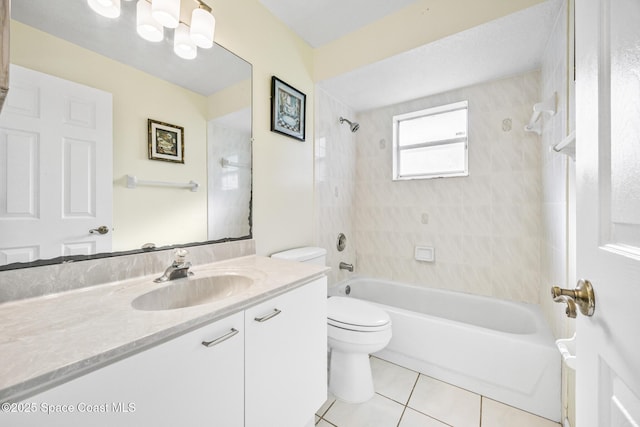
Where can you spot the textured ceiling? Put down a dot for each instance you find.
(503, 47)
(506, 46)
(321, 21)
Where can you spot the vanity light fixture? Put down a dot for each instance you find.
(166, 12)
(153, 15)
(106, 8)
(147, 27)
(203, 26)
(183, 45)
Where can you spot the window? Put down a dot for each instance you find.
(431, 143)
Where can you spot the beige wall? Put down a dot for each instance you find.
(282, 166)
(137, 214)
(229, 100)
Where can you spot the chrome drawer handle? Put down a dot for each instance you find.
(225, 337)
(271, 315)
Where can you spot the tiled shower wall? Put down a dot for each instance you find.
(486, 227)
(335, 165)
(557, 188)
(558, 195)
(229, 186)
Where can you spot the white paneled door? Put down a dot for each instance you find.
(608, 210)
(55, 168)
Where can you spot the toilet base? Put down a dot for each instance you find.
(350, 376)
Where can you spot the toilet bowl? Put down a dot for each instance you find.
(355, 329)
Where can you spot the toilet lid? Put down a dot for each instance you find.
(351, 313)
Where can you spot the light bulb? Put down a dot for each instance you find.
(203, 26)
(106, 8)
(147, 27)
(166, 12)
(183, 46)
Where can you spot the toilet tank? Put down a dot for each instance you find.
(308, 254)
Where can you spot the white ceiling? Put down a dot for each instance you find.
(503, 47)
(73, 20)
(319, 22)
(507, 46)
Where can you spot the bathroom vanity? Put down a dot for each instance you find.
(255, 357)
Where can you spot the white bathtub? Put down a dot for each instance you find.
(499, 349)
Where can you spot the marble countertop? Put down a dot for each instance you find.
(50, 339)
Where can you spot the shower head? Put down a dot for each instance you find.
(353, 125)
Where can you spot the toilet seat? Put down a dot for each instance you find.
(355, 315)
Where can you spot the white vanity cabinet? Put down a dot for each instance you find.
(178, 383)
(286, 357)
(265, 366)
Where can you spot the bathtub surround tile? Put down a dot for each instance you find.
(496, 414)
(412, 418)
(477, 280)
(392, 381)
(335, 176)
(377, 412)
(557, 184)
(497, 199)
(324, 423)
(445, 402)
(476, 251)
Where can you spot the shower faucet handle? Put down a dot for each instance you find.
(582, 296)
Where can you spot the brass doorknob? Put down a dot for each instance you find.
(103, 229)
(583, 296)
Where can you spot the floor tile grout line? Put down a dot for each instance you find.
(391, 399)
(518, 409)
(393, 363)
(404, 409)
(327, 410)
(416, 410)
(428, 376)
(406, 406)
(408, 398)
(415, 383)
(326, 421)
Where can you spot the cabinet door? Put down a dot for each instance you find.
(286, 357)
(177, 383)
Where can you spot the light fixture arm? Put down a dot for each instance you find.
(203, 5)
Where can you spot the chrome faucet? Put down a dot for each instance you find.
(178, 269)
(345, 266)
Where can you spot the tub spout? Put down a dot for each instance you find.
(345, 266)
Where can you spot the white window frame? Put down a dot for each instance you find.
(462, 105)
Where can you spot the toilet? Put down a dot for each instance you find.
(355, 329)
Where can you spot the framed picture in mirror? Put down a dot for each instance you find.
(166, 142)
(287, 109)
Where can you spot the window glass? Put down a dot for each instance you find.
(431, 143)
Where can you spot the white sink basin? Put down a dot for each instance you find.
(190, 291)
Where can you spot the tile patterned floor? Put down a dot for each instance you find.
(405, 398)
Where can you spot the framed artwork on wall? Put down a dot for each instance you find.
(288, 106)
(166, 142)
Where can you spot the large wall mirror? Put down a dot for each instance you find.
(79, 79)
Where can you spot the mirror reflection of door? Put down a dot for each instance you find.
(47, 208)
